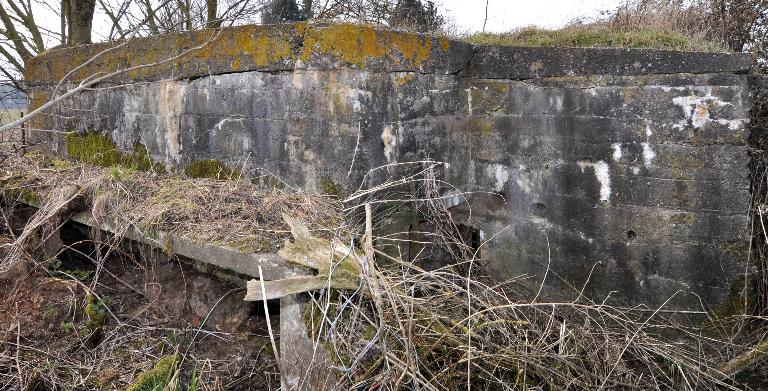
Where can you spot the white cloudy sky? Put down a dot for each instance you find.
(504, 15)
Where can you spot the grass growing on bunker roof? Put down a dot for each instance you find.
(231, 213)
(596, 36)
(649, 24)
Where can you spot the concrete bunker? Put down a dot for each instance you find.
(617, 170)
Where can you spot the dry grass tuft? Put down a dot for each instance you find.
(644, 24)
(228, 213)
(406, 327)
(454, 327)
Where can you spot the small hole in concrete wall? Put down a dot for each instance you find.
(631, 235)
(470, 235)
(540, 209)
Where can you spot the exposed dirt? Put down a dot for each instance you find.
(145, 306)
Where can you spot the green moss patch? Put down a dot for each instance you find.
(157, 378)
(140, 160)
(332, 188)
(96, 311)
(94, 148)
(210, 168)
(99, 149)
(12, 191)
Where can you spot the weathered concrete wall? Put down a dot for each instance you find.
(628, 166)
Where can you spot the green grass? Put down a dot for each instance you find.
(161, 377)
(120, 173)
(157, 378)
(596, 36)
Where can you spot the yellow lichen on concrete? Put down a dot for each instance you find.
(350, 43)
(355, 44)
(403, 79)
(412, 47)
(479, 125)
(444, 43)
(489, 96)
(262, 44)
(231, 49)
(270, 49)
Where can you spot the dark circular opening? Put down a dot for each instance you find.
(631, 235)
(540, 209)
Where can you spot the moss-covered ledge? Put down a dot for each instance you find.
(302, 45)
(254, 48)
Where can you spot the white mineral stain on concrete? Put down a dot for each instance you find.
(222, 132)
(453, 198)
(603, 176)
(390, 142)
(353, 97)
(522, 179)
(648, 154)
(469, 100)
(168, 132)
(733, 124)
(616, 151)
(498, 173)
(557, 103)
(585, 238)
(696, 108)
(297, 80)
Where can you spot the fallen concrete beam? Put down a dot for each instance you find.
(305, 362)
(274, 266)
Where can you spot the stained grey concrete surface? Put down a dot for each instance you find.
(604, 170)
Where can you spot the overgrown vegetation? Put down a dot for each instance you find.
(414, 15)
(157, 378)
(598, 36)
(457, 326)
(759, 189)
(98, 314)
(405, 326)
(698, 25)
(205, 208)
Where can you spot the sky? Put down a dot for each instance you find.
(505, 15)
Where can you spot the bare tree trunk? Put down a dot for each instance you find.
(64, 12)
(186, 16)
(212, 20)
(306, 9)
(81, 22)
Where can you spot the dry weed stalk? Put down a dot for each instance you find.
(447, 328)
(454, 327)
(227, 212)
(693, 19)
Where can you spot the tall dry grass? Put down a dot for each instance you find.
(458, 327)
(693, 25)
